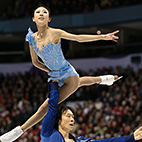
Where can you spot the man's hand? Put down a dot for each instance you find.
(138, 134)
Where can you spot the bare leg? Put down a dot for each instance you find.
(90, 80)
(18, 131)
(87, 80)
(70, 86)
(38, 116)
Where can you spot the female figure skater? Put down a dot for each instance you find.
(46, 43)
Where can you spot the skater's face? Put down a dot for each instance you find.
(67, 121)
(41, 16)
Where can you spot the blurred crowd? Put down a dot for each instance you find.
(101, 111)
(23, 8)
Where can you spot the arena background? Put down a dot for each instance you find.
(102, 111)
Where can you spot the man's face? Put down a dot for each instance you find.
(41, 16)
(67, 121)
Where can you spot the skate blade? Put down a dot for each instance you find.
(119, 78)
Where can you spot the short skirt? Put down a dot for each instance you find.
(66, 71)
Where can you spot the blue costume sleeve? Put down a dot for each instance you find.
(49, 119)
(28, 37)
(129, 138)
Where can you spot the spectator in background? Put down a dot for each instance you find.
(59, 122)
(23, 8)
(31, 78)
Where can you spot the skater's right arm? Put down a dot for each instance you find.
(36, 61)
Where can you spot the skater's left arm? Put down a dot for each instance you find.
(86, 37)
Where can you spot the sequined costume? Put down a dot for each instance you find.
(52, 56)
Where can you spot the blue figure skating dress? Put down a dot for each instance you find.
(52, 56)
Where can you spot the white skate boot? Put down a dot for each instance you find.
(12, 135)
(108, 79)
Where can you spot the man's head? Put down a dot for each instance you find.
(41, 15)
(65, 118)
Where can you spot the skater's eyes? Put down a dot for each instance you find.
(39, 11)
(69, 115)
(45, 12)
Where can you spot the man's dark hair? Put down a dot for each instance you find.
(61, 110)
(40, 5)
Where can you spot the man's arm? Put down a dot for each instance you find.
(49, 119)
(129, 138)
